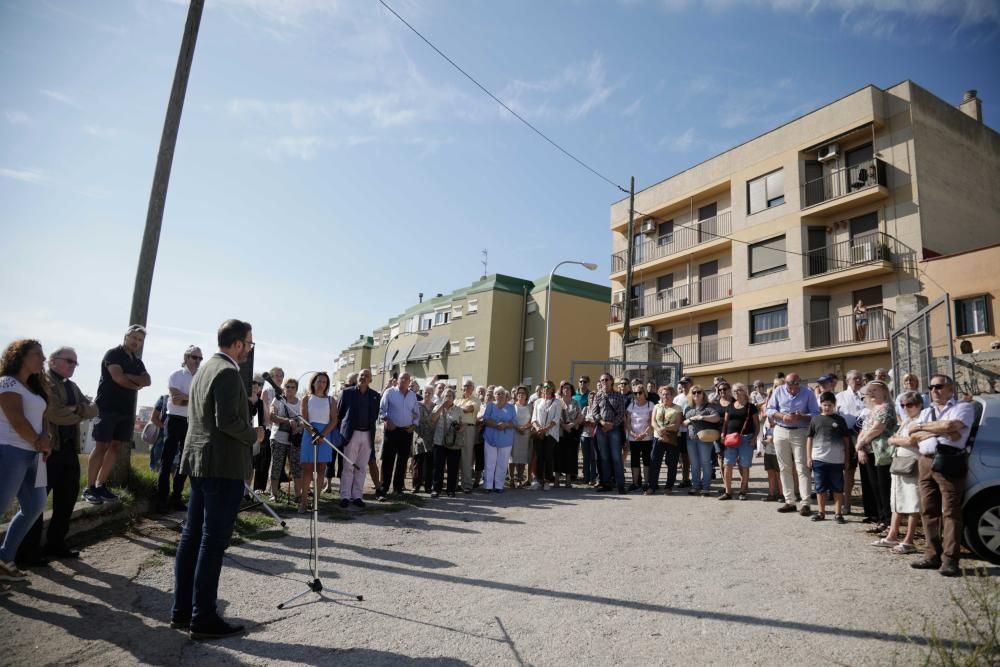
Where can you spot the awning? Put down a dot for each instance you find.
(405, 353)
(429, 346)
(419, 350)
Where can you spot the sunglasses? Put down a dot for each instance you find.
(793, 384)
(697, 392)
(723, 388)
(938, 387)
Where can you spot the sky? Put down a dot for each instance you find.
(330, 165)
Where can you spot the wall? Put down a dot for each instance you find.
(965, 275)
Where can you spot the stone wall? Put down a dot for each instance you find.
(978, 373)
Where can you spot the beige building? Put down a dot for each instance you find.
(752, 261)
(492, 331)
(972, 281)
(353, 358)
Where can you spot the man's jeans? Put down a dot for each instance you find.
(610, 446)
(590, 458)
(672, 454)
(700, 454)
(211, 514)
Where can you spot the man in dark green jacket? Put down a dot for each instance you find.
(217, 456)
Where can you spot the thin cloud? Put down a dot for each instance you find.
(102, 132)
(24, 175)
(62, 98)
(577, 90)
(15, 117)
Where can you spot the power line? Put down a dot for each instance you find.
(501, 102)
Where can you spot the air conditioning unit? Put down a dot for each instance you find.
(863, 252)
(619, 298)
(828, 153)
(645, 332)
(649, 227)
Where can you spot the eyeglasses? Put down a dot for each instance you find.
(697, 392)
(71, 362)
(723, 388)
(938, 387)
(791, 383)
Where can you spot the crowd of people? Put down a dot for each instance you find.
(813, 441)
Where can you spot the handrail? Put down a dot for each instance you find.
(862, 249)
(843, 181)
(682, 238)
(874, 326)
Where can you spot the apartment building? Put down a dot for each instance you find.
(754, 260)
(492, 331)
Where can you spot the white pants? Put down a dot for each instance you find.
(352, 483)
(496, 466)
(790, 447)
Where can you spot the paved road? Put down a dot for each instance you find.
(556, 578)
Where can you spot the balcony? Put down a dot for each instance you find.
(681, 239)
(846, 187)
(708, 351)
(714, 288)
(845, 330)
(863, 256)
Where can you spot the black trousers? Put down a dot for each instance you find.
(664, 451)
(262, 466)
(546, 463)
(395, 454)
(63, 468)
(442, 456)
(173, 445)
(423, 471)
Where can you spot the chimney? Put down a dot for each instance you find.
(420, 297)
(438, 295)
(972, 106)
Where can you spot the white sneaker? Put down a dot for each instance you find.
(10, 572)
(546, 488)
(536, 485)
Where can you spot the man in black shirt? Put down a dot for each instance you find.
(122, 376)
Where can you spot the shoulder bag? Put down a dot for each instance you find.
(734, 439)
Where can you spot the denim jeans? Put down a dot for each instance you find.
(590, 459)
(18, 468)
(610, 446)
(672, 453)
(700, 454)
(211, 515)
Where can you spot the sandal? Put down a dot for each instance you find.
(840, 519)
(883, 542)
(818, 517)
(874, 530)
(904, 549)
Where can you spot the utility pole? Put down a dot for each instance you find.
(628, 268)
(164, 160)
(485, 261)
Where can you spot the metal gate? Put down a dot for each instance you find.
(923, 344)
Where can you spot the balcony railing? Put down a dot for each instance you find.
(844, 181)
(713, 288)
(864, 249)
(708, 351)
(874, 326)
(682, 238)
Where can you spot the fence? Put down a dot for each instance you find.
(923, 344)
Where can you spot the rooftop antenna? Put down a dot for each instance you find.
(485, 262)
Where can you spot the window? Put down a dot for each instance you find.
(529, 344)
(970, 316)
(385, 339)
(665, 337)
(454, 347)
(426, 321)
(470, 343)
(769, 324)
(473, 306)
(441, 317)
(532, 307)
(766, 191)
(394, 331)
(767, 256)
(456, 312)
(352, 359)
(664, 282)
(665, 233)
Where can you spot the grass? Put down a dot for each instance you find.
(329, 506)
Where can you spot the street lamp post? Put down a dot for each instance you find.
(590, 266)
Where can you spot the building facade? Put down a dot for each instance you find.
(972, 282)
(756, 259)
(492, 331)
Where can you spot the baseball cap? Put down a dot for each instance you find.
(825, 378)
(686, 380)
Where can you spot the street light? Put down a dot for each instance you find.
(386, 353)
(590, 266)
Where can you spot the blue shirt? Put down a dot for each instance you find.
(400, 409)
(803, 402)
(494, 437)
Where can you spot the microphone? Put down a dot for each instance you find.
(274, 385)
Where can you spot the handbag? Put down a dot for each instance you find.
(150, 432)
(708, 435)
(950, 462)
(903, 465)
(734, 439)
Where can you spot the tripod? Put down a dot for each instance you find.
(315, 586)
(259, 502)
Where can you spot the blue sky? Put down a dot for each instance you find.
(330, 166)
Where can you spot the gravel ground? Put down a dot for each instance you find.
(524, 578)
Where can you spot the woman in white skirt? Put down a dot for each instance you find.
(520, 455)
(905, 495)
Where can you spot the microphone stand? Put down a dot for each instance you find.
(315, 586)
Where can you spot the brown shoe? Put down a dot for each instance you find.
(784, 509)
(926, 564)
(805, 511)
(950, 570)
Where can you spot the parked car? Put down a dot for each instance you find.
(981, 509)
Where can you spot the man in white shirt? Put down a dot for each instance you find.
(850, 406)
(943, 428)
(267, 394)
(175, 430)
(681, 401)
